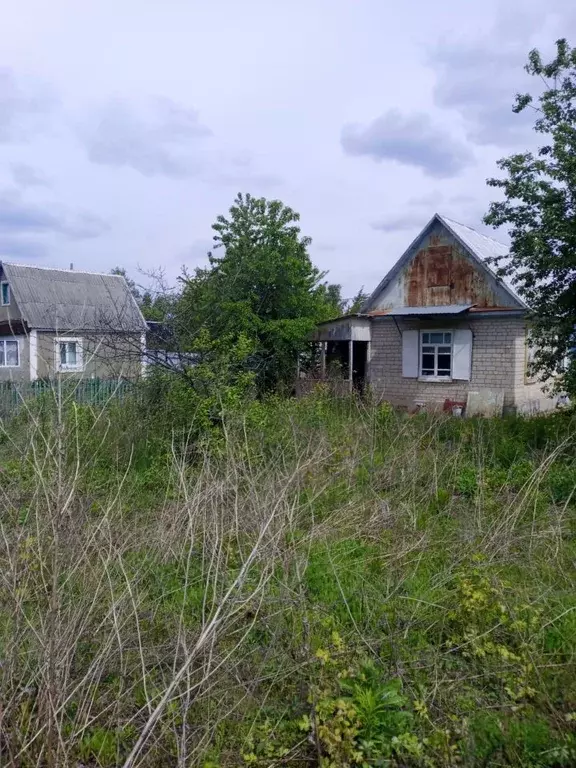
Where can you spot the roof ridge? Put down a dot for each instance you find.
(476, 232)
(59, 269)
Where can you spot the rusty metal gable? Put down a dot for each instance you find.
(440, 268)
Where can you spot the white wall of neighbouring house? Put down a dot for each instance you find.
(103, 356)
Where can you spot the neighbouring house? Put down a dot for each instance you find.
(162, 349)
(440, 329)
(67, 322)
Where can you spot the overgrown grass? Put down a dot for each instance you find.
(313, 582)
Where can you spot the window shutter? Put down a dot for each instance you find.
(79, 354)
(410, 344)
(462, 352)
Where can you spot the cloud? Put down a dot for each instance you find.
(243, 176)
(409, 140)
(427, 200)
(479, 76)
(157, 140)
(22, 248)
(477, 83)
(419, 210)
(18, 217)
(324, 247)
(436, 198)
(197, 253)
(23, 107)
(26, 176)
(409, 221)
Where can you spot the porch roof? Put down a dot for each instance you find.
(447, 309)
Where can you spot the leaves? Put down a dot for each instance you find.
(539, 207)
(261, 284)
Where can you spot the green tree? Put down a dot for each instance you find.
(263, 288)
(333, 299)
(355, 304)
(539, 208)
(155, 305)
(338, 304)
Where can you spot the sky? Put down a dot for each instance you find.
(128, 126)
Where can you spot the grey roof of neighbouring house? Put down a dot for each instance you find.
(67, 300)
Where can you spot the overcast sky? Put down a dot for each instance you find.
(127, 126)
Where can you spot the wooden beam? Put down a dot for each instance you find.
(350, 365)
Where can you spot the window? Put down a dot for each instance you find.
(436, 354)
(9, 353)
(5, 294)
(69, 354)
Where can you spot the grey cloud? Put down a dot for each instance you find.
(19, 217)
(410, 140)
(26, 176)
(196, 254)
(462, 199)
(419, 210)
(407, 221)
(22, 248)
(479, 77)
(23, 107)
(155, 141)
(435, 199)
(258, 181)
(431, 199)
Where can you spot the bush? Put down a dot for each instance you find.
(289, 582)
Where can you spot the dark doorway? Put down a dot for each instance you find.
(359, 365)
(337, 359)
(338, 362)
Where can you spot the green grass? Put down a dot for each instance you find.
(318, 583)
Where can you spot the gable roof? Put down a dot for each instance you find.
(479, 245)
(61, 299)
(479, 248)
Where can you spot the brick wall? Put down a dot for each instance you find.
(498, 361)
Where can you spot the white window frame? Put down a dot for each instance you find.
(7, 284)
(3, 341)
(421, 345)
(79, 365)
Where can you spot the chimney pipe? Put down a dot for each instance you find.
(71, 266)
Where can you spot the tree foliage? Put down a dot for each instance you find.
(357, 301)
(539, 208)
(157, 305)
(260, 285)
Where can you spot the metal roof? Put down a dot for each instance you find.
(67, 300)
(481, 245)
(445, 309)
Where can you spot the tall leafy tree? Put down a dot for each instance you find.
(334, 299)
(357, 301)
(539, 208)
(260, 285)
(157, 305)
